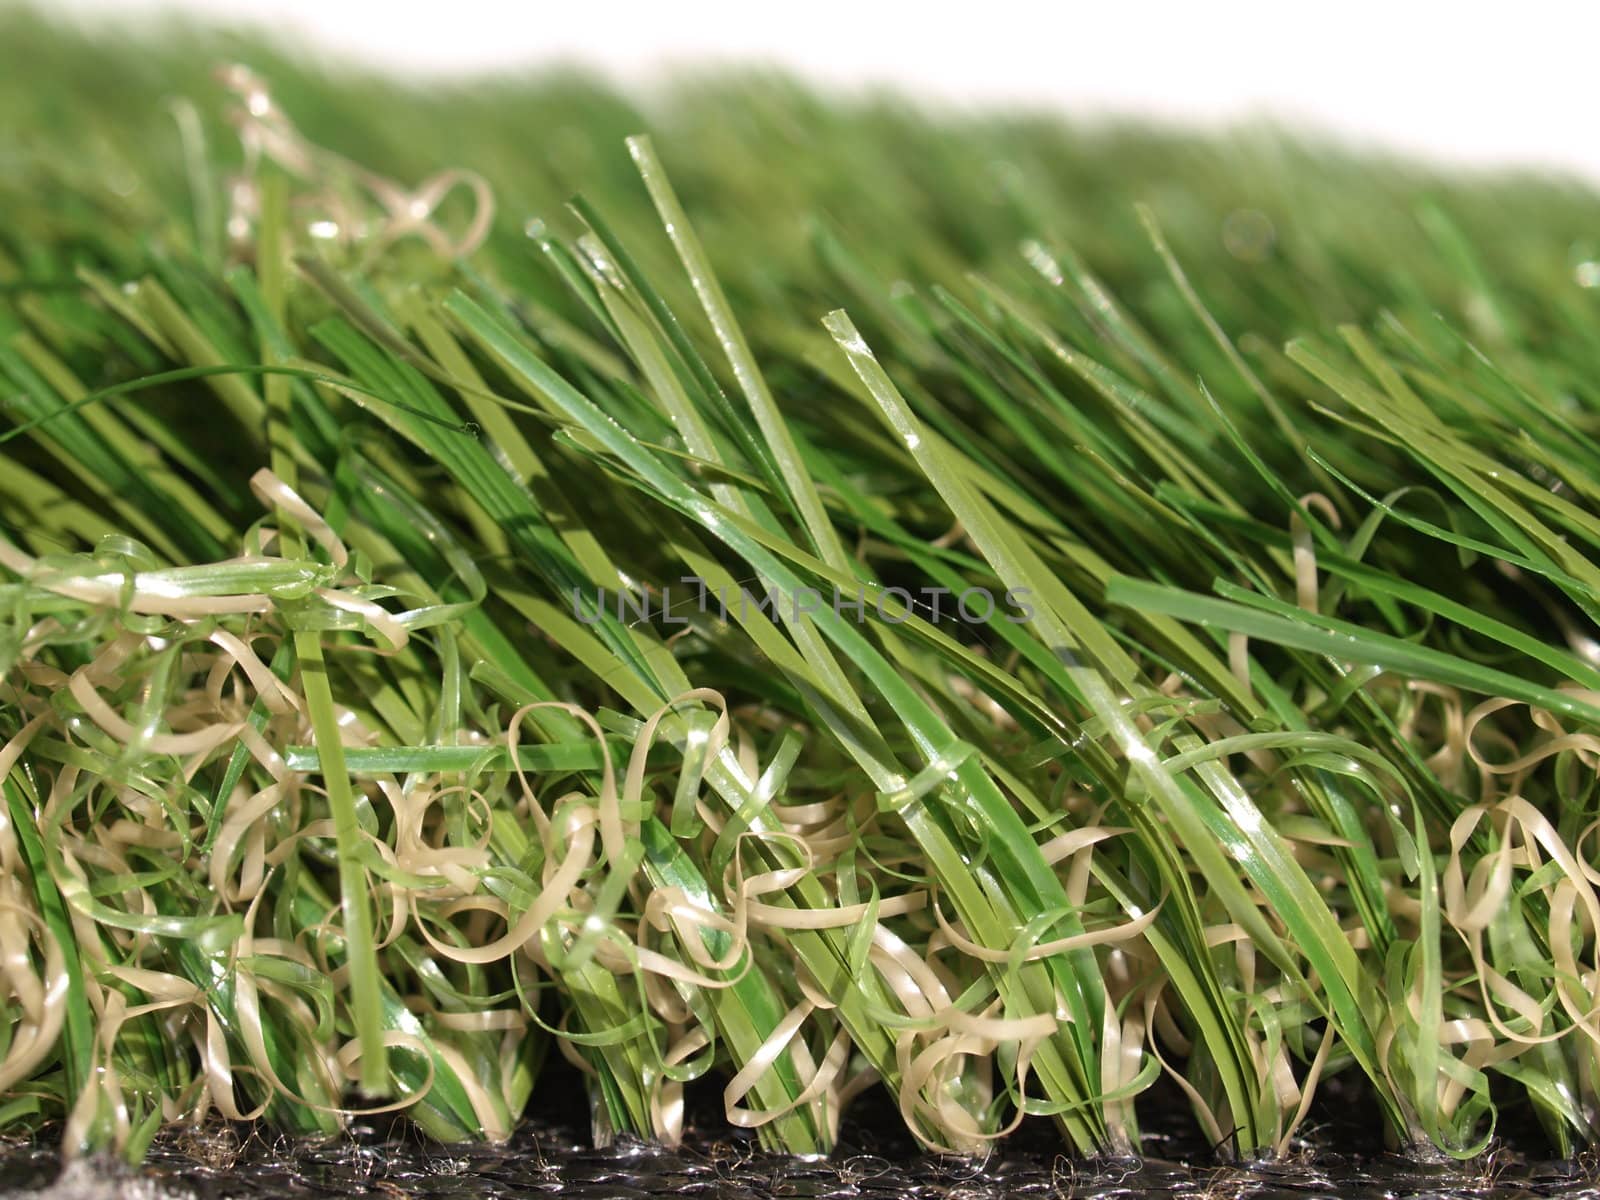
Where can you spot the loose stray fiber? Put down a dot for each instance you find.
(326, 798)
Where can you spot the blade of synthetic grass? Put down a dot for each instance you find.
(366, 1004)
(78, 1022)
(1344, 641)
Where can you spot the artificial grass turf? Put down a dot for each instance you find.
(329, 787)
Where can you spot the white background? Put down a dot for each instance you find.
(1504, 83)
